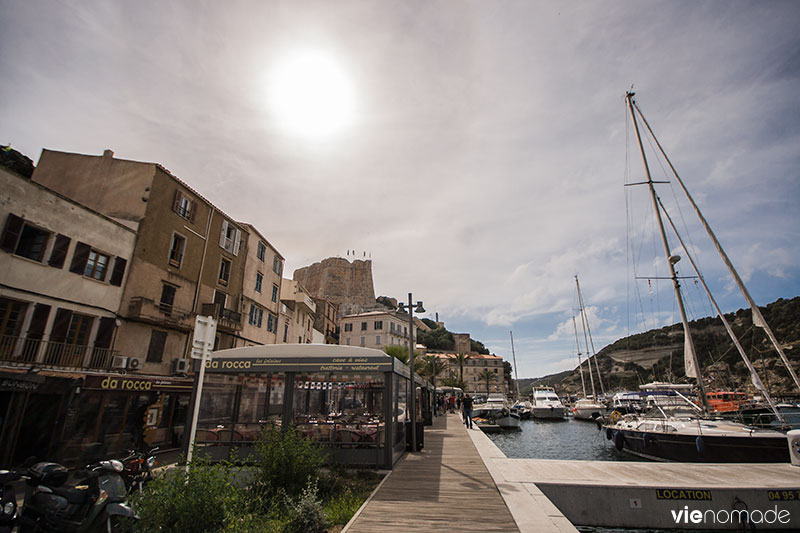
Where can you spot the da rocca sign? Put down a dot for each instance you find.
(131, 384)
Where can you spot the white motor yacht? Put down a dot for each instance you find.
(495, 411)
(547, 405)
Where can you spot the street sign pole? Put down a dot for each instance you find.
(205, 330)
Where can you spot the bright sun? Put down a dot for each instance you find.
(311, 95)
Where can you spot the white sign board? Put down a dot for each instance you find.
(205, 331)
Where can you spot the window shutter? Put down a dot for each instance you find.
(176, 202)
(38, 321)
(192, 210)
(223, 234)
(237, 240)
(105, 331)
(61, 325)
(59, 253)
(80, 258)
(11, 233)
(119, 271)
(155, 352)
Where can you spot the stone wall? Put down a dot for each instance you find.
(349, 285)
(462, 343)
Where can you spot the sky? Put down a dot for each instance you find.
(477, 152)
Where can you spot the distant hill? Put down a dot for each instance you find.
(657, 355)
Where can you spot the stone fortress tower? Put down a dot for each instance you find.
(349, 285)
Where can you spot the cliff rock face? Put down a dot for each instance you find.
(344, 283)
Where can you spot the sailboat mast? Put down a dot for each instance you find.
(585, 338)
(514, 356)
(590, 355)
(580, 363)
(690, 357)
(758, 319)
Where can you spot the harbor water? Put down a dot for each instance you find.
(568, 439)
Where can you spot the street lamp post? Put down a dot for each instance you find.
(410, 309)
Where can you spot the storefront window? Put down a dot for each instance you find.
(340, 408)
(216, 407)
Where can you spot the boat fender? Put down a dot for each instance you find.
(619, 440)
(615, 417)
(647, 440)
(700, 445)
(609, 434)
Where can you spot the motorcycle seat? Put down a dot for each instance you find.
(74, 495)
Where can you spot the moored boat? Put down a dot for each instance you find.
(547, 405)
(588, 409)
(495, 411)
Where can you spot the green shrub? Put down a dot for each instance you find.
(286, 461)
(341, 507)
(202, 500)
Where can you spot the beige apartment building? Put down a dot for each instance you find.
(62, 271)
(375, 329)
(261, 291)
(296, 323)
(474, 366)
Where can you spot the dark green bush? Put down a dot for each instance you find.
(201, 500)
(286, 462)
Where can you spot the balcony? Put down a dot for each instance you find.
(160, 313)
(226, 318)
(27, 351)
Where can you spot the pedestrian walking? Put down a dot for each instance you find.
(466, 405)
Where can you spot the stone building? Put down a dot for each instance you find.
(347, 285)
(474, 365)
(297, 313)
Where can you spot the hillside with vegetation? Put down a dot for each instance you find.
(657, 355)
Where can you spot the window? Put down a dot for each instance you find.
(363, 326)
(378, 325)
(275, 293)
(391, 327)
(176, 250)
(256, 315)
(262, 249)
(286, 332)
(378, 340)
(224, 271)
(348, 327)
(230, 238)
(272, 324)
(97, 265)
(155, 352)
(259, 280)
(277, 265)
(184, 206)
(23, 239)
(363, 341)
(167, 299)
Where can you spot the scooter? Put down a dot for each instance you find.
(93, 504)
(8, 500)
(138, 468)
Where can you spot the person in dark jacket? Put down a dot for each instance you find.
(466, 406)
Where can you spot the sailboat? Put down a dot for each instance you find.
(587, 407)
(686, 432)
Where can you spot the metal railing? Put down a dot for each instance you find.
(227, 317)
(146, 308)
(22, 350)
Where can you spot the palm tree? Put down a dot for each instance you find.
(487, 376)
(431, 368)
(461, 359)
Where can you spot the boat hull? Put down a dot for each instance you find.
(588, 413)
(710, 449)
(548, 413)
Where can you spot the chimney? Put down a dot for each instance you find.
(108, 154)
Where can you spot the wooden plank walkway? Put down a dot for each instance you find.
(445, 487)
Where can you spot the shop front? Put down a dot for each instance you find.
(351, 401)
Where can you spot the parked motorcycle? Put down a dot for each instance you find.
(8, 500)
(138, 469)
(93, 504)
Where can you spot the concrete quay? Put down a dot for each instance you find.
(645, 495)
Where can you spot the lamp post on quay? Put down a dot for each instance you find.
(410, 309)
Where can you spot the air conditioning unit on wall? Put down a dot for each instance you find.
(134, 363)
(119, 362)
(180, 366)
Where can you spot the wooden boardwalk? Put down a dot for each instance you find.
(445, 487)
